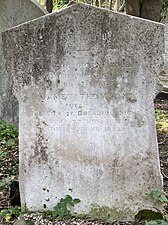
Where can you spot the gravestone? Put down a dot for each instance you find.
(12, 13)
(164, 73)
(85, 79)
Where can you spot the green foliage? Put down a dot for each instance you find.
(160, 114)
(10, 213)
(153, 217)
(62, 209)
(161, 120)
(158, 196)
(164, 12)
(4, 184)
(7, 131)
(148, 215)
(9, 158)
(2, 154)
(156, 222)
(59, 4)
(30, 222)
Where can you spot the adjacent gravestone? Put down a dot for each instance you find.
(164, 73)
(12, 13)
(85, 79)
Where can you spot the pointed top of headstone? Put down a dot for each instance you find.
(82, 27)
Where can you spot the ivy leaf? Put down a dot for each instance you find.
(54, 214)
(156, 222)
(61, 209)
(159, 196)
(76, 200)
(68, 198)
(8, 216)
(148, 215)
(71, 204)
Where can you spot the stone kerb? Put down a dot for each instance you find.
(85, 79)
(12, 13)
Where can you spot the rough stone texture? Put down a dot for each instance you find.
(85, 79)
(12, 13)
(164, 74)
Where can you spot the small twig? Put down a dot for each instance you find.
(166, 194)
(121, 9)
(164, 175)
(162, 142)
(163, 162)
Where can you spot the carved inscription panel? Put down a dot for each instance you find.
(87, 99)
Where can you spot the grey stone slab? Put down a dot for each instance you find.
(164, 74)
(85, 79)
(12, 13)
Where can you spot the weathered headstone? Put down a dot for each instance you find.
(12, 13)
(85, 79)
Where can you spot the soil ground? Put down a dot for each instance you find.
(161, 102)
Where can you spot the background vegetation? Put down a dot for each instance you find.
(115, 5)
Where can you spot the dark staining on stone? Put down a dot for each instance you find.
(59, 49)
(41, 53)
(40, 147)
(70, 189)
(92, 54)
(46, 189)
(48, 83)
(57, 40)
(21, 53)
(36, 71)
(45, 125)
(36, 44)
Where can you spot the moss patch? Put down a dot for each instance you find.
(108, 214)
(161, 121)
